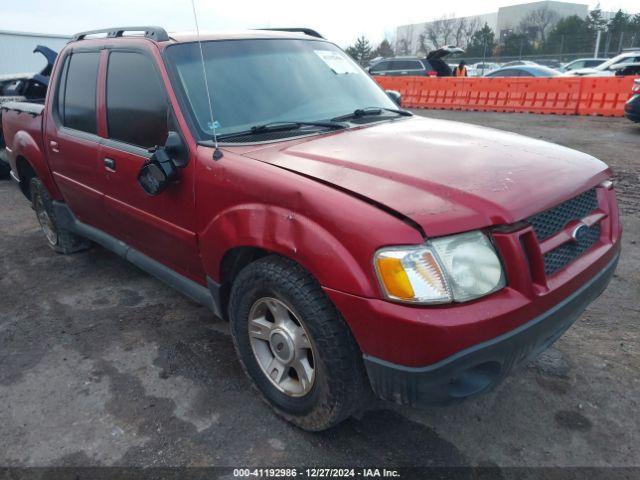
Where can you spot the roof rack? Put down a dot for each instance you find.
(306, 31)
(158, 34)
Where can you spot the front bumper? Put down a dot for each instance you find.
(481, 367)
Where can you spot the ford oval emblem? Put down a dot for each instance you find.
(578, 232)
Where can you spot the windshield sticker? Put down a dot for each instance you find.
(337, 62)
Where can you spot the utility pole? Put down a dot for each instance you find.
(620, 43)
(484, 53)
(595, 54)
(521, 47)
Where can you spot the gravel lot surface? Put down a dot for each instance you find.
(100, 364)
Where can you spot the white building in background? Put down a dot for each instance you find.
(503, 22)
(510, 17)
(16, 51)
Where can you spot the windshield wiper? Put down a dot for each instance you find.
(282, 127)
(370, 111)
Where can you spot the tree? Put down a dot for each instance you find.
(595, 20)
(402, 47)
(538, 23)
(473, 25)
(383, 50)
(360, 51)
(441, 31)
(516, 45)
(422, 45)
(482, 43)
(569, 35)
(618, 27)
(459, 29)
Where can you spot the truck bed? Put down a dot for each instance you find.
(18, 117)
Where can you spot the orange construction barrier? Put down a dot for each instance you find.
(559, 96)
(605, 96)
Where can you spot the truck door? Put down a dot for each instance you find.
(139, 117)
(71, 136)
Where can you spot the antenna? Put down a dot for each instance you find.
(217, 153)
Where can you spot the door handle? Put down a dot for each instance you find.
(54, 147)
(110, 163)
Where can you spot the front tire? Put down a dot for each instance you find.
(295, 346)
(59, 239)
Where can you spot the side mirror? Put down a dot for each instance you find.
(156, 175)
(175, 148)
(395, 96)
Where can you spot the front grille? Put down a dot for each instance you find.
(568, 252)
(552, 221)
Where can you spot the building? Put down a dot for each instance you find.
(509, 18)
(414, 37)
(16, 51)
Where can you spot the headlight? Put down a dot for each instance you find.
(447, 269)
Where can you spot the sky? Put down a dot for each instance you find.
(341, 21)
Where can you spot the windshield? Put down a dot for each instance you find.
(254, 82)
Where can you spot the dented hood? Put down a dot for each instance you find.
(445, 176)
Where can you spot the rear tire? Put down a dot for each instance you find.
(4, 168)
(59, 239)
(332, 384)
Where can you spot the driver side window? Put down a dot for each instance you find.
(137, 105)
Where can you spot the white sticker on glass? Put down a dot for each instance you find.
(337, 62)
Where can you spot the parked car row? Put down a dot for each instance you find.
(627, 63)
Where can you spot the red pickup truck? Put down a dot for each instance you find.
(353, 247)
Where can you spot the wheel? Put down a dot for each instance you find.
(294, 345)
(59, 239)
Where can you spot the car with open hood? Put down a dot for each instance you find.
(353, 247)
(433, 65)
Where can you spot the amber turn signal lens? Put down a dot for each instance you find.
(394, 278)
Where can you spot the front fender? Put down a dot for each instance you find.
(289, 234)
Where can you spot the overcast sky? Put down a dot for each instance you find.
(339, 20)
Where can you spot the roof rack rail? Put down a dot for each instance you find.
(158, 34)
(306, 31)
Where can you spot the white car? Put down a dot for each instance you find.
(480, 69)
(608, 68)
(582, 63)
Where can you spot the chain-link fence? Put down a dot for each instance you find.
(553, 52)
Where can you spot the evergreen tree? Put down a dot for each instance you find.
(384, 50)
(360, 51)
(483, 43)
(516, 45)
(570, 35)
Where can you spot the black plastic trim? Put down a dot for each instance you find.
(209, 297)
(481, 367)
(306, 31)
(158, 34)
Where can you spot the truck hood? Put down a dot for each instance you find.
(445, 176)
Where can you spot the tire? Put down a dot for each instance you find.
(4, 168)
(338, 383)
(59, 239)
